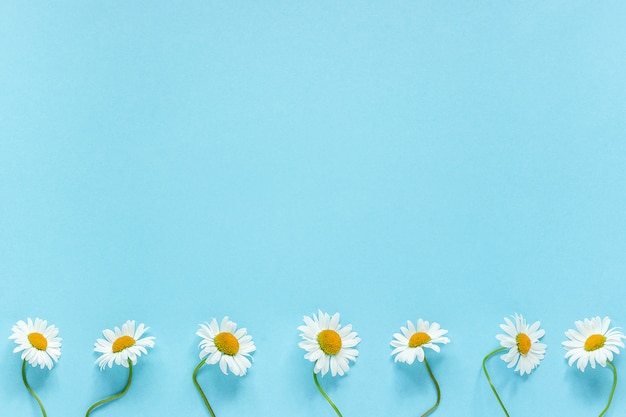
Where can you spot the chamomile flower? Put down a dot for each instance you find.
(415, 338)
(523, 349)
(226, 345)
(522, 341)
(328, 344)
(592, 342)
(121, 345)
(37, 341)
(39, 345)
(410, 344)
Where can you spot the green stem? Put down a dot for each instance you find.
(195, 382)
(489, 379)
(43, 410)
(434, 407)
(612, 389)
(332, 404)
(115, 396)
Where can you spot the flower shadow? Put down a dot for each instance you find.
(591, 386)
(37, 377)
(111, 379)
(219, 389)
(412, 380)
(507, 381)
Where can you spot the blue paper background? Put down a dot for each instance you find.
(173, 162)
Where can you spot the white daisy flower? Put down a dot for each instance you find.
(593, 343)
(525, 351)
(120, 346)
(328, 344)
(37, 341)
(411, 343)
(226, 345)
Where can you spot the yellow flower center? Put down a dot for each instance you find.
(419, 339)
(330, 341)
(123, 342)
(38, 341)
(226, 343)
(594, 342)
(523, 343)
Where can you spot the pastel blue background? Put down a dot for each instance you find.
(173, 162)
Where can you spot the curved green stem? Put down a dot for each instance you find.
(43, 410)
(612, 389)
(434, 407)
(115, 396)
(195, 382)
(319, 387)
(506, 413)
